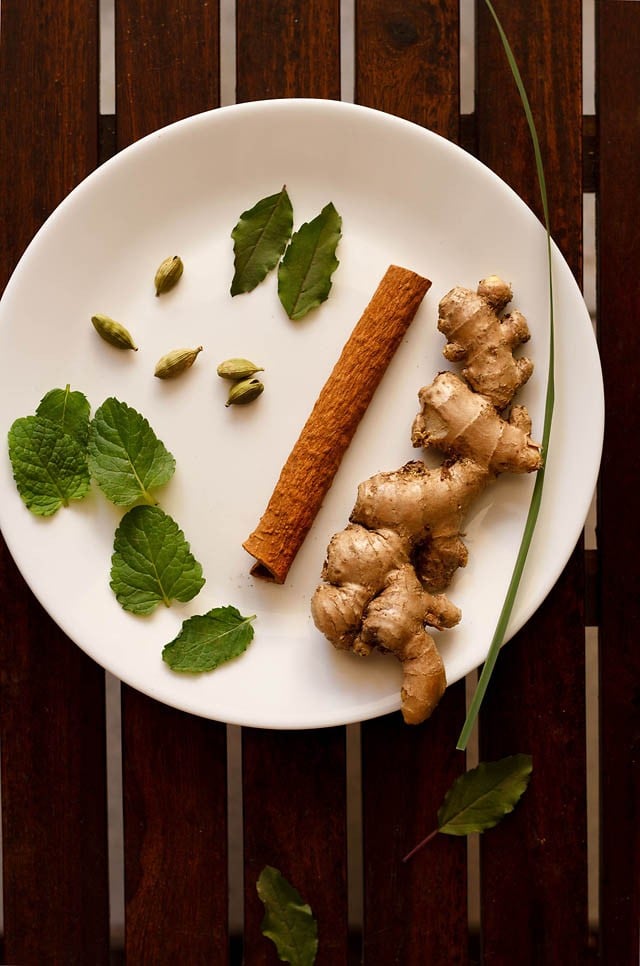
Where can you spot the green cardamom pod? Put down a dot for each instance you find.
(244, 391)
(175, 362)
(238, 369)
(113, 332)
(168, 274)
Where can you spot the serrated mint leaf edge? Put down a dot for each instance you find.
(30, 497)
(196, 580)
(141, 488)
(243, 626)
(69, 394)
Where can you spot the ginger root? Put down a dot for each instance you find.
(385, 573)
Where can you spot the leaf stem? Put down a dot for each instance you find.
(420, 845)
(536, 497)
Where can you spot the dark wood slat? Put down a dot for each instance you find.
(294, 784)
(174, 780)
(414, 912)
(407, 63)
(52, 723)
(287, 49)
(534, 863)
(295, 820)
(618, 90)
(167, 62)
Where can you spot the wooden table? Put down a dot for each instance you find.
(533, 880)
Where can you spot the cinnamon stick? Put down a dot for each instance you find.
(314, 460)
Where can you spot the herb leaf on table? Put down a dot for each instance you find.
(152, 562)
(49, 466)
(304, 275)
(126, 458)
(481, 797)
(208, 640)
(259, 239)
(288, 921)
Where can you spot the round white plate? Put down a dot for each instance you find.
(407, 197)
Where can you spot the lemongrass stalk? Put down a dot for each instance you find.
(536, 497)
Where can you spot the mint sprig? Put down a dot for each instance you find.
(208, 640)
(68, 409)
(152, 562)
(49, 466)
(126, 458)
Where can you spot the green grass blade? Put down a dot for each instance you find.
(536, 496)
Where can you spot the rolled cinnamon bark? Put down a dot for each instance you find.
(314, 460)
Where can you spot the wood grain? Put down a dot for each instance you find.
(407, 63)
(175, 824)
(407, 54)
(295, 820)
(287, 49)
(174, 776)
(618, 94)
(535, 863)
(167, 64)
(52, 718)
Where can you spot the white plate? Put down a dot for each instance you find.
(406, 196)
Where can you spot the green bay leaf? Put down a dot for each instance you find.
(304, 275)
(126, 458)
(480, 797)
(49, 466)
(259, 239)
(152, 562)
(69, 409)
(208, 640)
(288, 920)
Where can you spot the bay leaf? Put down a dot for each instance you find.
(304, 274)
(480, 797)
(259, 239)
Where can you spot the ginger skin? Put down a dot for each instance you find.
(385, 573)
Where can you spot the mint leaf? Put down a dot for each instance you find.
(69, 410)
(126, 458)
(208, 640)
(259, 239)
(288, 921)
(479, 798)
(304, 275)
(152, 562)
(49, 467)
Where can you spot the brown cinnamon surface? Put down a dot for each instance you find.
(314, 460)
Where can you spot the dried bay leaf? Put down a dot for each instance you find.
(304, 274)
(259, 239)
